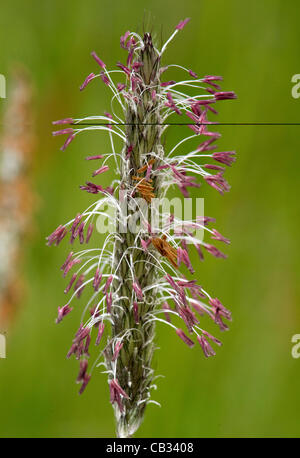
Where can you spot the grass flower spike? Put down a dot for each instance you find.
(136, 279)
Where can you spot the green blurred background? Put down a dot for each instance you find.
(251, 388)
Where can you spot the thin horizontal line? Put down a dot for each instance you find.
(190, 124)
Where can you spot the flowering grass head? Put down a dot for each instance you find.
(138, 276)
